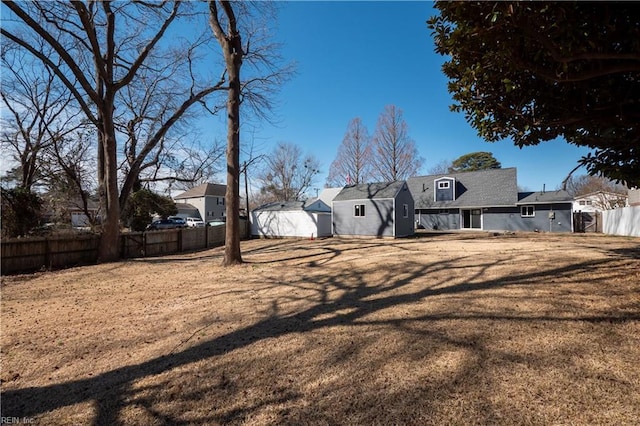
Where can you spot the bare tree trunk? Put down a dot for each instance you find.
(108, 246)
(232, 253)
(231, 44)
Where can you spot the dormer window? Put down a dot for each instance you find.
(444, 189)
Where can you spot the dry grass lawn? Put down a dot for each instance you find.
(527, 329)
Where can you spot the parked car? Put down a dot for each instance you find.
(179, 220)
(217, 222)
(164, 224)
(194, 222)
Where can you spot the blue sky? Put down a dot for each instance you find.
(353, 58)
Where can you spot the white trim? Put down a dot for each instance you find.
(533, 209)
(436, 184)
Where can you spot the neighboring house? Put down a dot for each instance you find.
(599, 201)
(487, 200)
(205, 201)
(373, 209)
(187, 210)
(79, 218)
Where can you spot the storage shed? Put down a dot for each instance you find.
(311, 218)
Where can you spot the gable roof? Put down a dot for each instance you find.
(311, 205)
(204, 190)
(481, 188)
(328, 194)
(545, 197)
(606, 194)
(370, 191)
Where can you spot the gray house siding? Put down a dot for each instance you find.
(502, 219)
(377, 220)
(439, 219)
(562, 221)
(404, 225)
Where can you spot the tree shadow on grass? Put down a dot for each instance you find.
(340, 300)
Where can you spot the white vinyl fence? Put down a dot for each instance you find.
(623, 221)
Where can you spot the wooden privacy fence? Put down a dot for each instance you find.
(32, 254)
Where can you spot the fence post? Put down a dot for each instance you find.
(47, 254)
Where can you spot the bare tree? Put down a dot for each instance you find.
(100, 48)
(231, 42)
(186, 164)
(395, 156)
(352, 165)
(40, 111)
(287, 174)
(441, 168)
(229, 21)
(44, 132)
(159, 145)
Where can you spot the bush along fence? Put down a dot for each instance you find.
(39, 253)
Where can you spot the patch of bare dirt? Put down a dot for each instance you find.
(464, 328)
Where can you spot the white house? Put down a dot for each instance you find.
(599, 201)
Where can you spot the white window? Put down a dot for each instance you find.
(444, 184)
(405, 210)
(358, 210)
(527, 211)
(583, 202)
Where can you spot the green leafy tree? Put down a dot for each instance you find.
(143, 204)
(21, 211)
(475, 161)
(536, 71)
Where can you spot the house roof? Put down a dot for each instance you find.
(481, 188)
(606, 194)
(328, 194)
(545, 197)
(204, 190)
(370, 191)
(311, 205)
(186, 207)
(76, 204)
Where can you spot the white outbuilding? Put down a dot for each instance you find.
(308, 219)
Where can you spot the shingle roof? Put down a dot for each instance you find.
(282, 206)
(370, 191)
(482, 188)
(544, 197)
(328, 194)
(294, 205)
(206, 189)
